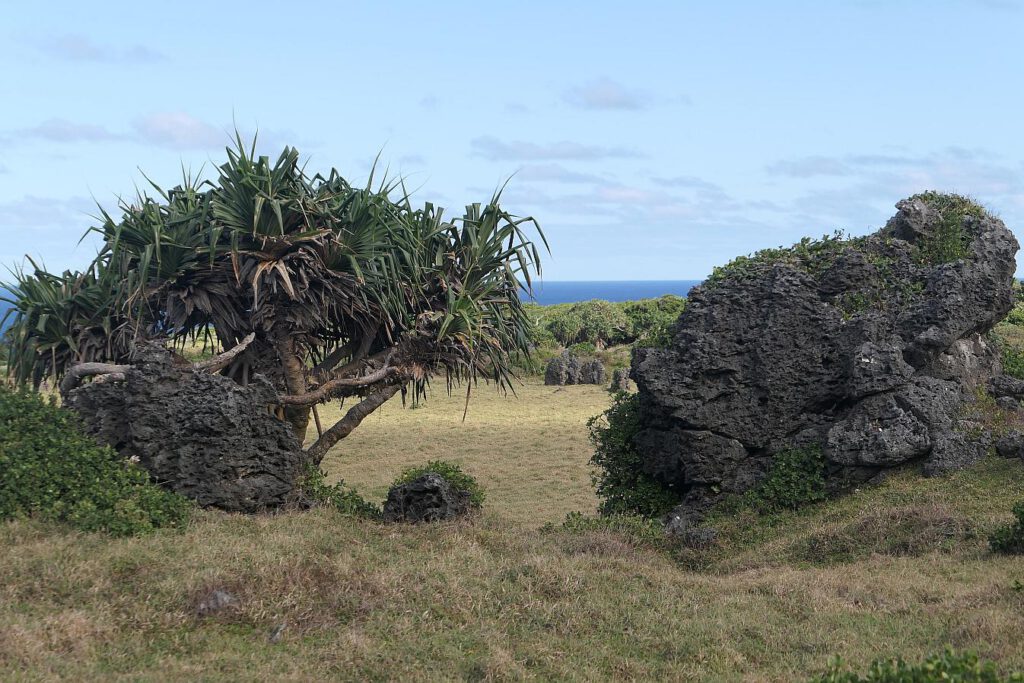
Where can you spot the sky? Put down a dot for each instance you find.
(650, 140)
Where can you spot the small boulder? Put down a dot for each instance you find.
(429, 498)
(592, 372)
(1011, 445)
(214, 602)
(620, 380)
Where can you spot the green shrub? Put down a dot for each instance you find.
(1016, 314)
(50, 469)
(947, 667)
(1013, 360)
(796, 478)
(1009, 539)
(597, 322)
(583, 349)
(346, 501)
(452, 473)
(650, 320)
(949, 241)
(623, 487)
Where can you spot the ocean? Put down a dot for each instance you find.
(564, 292)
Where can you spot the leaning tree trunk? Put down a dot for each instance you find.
(295, 383)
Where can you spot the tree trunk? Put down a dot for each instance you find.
(295, 383)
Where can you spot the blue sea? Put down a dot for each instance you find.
(564, 292)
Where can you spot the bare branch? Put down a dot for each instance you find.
(357, 353)
(76, 373)
(355, 415)
(218, 363)
(329, 389)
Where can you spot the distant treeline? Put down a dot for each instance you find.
(603, 323)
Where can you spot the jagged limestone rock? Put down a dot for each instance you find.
(867, 348)
(201, 435)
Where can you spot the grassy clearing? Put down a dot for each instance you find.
(528, 451)
(901, 568)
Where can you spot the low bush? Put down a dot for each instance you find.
(796, 478)
(949, 666)
(452, 473)
(641, 529)
(1009, 538)
(50, 469)
(345, 500)
(620, 482)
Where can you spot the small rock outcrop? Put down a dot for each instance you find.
(429, 498)
(201, 435)
(620, 380)
(867, 348)
(568, 368)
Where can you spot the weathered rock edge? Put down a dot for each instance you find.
(865, 351)
(199, 434)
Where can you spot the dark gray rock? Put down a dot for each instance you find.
(568, 368)
(592, 372)
(1008, 403)
(620, 380)
(430, 498)
(215, 602)
(1004, 385)
(202, 435)
(868, 349)
(1011, 445)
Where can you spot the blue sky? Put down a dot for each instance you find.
(652, 140)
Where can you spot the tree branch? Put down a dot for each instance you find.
(356, 414)
(76, 373)
(328, 389)
(218, 363)
(357, 353)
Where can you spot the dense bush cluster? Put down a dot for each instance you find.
(599, 323)
(50, 469)
(949, 666)
(452, 473)
(620, 482)
(1009, 539)
(796, 479)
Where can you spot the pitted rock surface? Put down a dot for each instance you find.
(868, 349)
(204, 436)
(429, 498)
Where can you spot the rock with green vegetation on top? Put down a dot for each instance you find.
(869, 349)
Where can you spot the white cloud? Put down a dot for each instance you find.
(178, 130)
(491, 148)
(605, 93)
(76, 47)
(62, 130)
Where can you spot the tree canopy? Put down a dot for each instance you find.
(333, 290)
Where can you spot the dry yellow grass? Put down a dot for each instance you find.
(494, 598)
(529, 450)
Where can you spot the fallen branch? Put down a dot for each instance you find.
(76, 373)
(218, 363)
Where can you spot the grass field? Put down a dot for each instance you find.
(902, 568)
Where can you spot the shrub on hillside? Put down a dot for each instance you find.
(597, 322)
(650, 320)
(621, 484)
(452, 473)
(1009, 539)
(796, 478)
(50, 469)
(949, 666)
(345, 500)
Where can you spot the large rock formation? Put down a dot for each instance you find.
(202, 435)
(867, 348)
(568, 368)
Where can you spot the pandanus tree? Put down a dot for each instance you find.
(329, 290)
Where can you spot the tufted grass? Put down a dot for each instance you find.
(900, 568)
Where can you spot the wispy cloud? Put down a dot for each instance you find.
(556, 173)
(604, 93)
(62, 130)
(77, 47)
(496, 150)
(808, 167)
(178, 130)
